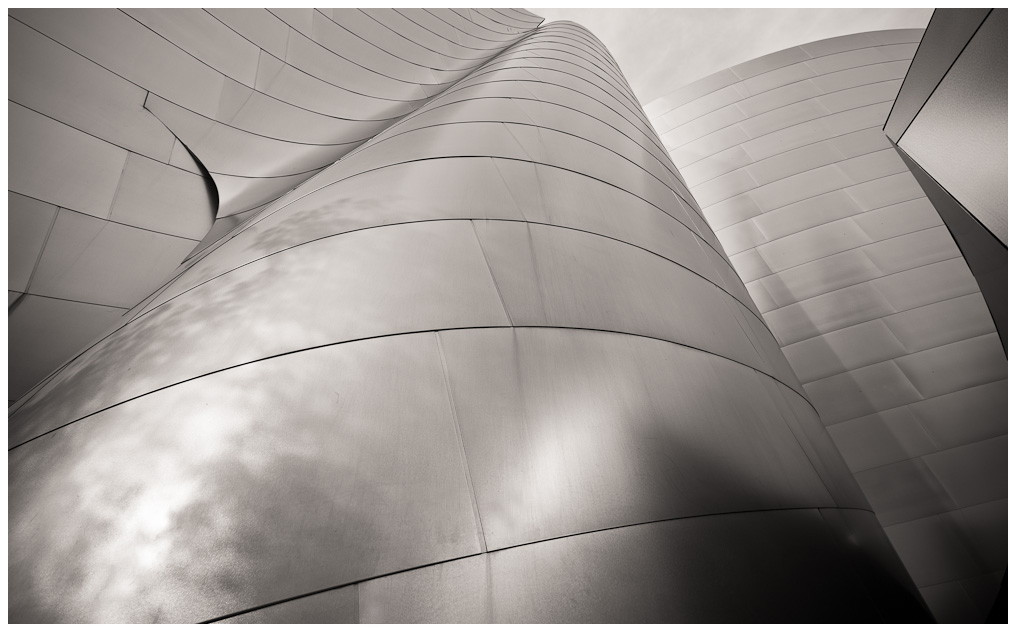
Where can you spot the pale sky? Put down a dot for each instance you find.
(660, 50)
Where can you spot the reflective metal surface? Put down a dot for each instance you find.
(852, 268)
(492, 365)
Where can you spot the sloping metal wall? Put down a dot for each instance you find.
(492, 365)
(865, 290)
(108, 109)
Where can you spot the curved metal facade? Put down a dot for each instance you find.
(865, 291)
(489, 366)
(110, 108)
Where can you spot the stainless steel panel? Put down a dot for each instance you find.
(43, 332)
(897, 219)
(238, 489)
(955, 366)
(885, 191)
(63, 85)
(668, 571)
(552, 277)
(882, 438)
(807, 213)
(28, 224)
(941, 322)
(200, 34)
(934, 550)
(965, 416)
(846, 349)
(162, 198)
(570, 431)
(960, 134)
(229, 151)
(61, 165)
(257, 25)
(126, 47)
(96, 261)
(862, 391)
(439, 280)
(336, 606)
(813, 243)
(973, 474)
(904, 491)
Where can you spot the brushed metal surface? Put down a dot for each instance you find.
(255, 484)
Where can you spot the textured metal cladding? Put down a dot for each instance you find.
(863, 287)
(492, 365)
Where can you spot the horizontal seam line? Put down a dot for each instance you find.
(119, 223)
(741, 144)
(739, 80)
(922, 195)
(858, 247)
(976, 291)
(398, 334)
(451, 219)
(530, 543)
(905, 354)
(781, 107)
(776, 155)
(742, 99)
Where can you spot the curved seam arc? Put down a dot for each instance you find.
(264, 94)
(80, 302)
(502, 44)
(809, 170)
(869, 320)
(821, 225)
(781, 107)
(480, 12)
(607, 78)
(741, 144)
(536, 23)
(418, 83)
(108, 142)
(580, 34)
(774, 131)
(457, 29)
(266, 215)
(552, 129)
(315, 169)
(290, 65)
(904, 354)
(786, 66)
(567, 49)
(666, 166)
(857, 247)
(538, 126)
(469, 219)
(255, 218)
(906, 405)
(119, 223)
(450, 41)
(589, 52)
(775, 155)
(542, 45)
(647, 132)
(810, 197)
(816, 96)
(525, 544)
(939, 81)
(479, 74)
(478, 24)
(400, 333)
(464, 69)
(329, 49)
